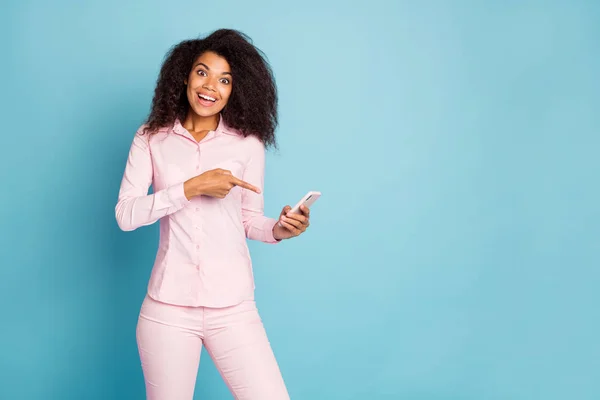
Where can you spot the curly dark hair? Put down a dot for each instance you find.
(252, 106)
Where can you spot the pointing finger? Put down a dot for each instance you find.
(245, 185)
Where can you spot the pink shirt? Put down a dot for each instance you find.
(202, 257)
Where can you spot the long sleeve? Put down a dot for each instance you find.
(135, 207)
(256, 224)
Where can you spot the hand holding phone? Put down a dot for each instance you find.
(308, 200)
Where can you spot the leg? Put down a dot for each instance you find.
(237, 342)
(169, 352)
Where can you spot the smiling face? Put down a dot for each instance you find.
(209, 84)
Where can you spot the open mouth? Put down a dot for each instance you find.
(206, 100)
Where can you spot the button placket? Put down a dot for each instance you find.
(198, 158)
(197, 235)
(197, 215)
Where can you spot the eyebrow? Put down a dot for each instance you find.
(208, 69)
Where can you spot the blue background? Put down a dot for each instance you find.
(454, 253)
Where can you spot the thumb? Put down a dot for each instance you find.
(285, 210)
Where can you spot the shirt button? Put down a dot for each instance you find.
(197, 209)
(197, 247)
(198, 267)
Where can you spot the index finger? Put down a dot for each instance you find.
(305, 210)
(245, 185)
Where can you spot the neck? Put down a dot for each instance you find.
(196, 123)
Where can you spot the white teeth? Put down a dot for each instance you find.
(202, 96)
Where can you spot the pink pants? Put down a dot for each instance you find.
(170, 339)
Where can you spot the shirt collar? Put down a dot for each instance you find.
(222, 128)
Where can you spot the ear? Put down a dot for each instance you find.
(185, 81)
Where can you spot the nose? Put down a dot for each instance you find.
(209, 84)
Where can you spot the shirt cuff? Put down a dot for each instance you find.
(268, 229)
(176, 196)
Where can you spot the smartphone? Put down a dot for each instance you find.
(308, 200)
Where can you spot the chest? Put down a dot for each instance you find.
(176, 159)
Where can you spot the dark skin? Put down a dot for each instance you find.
(208, 89)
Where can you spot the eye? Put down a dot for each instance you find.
(224, 81)
(201, 72)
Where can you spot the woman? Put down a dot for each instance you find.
(202, 148)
